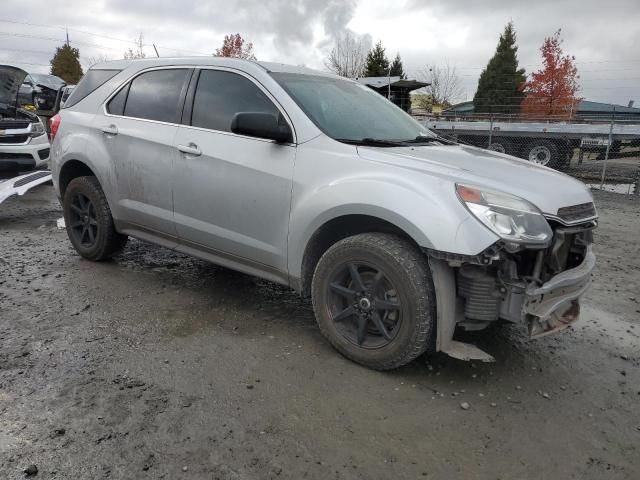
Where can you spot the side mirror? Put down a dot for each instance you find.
(262, 125)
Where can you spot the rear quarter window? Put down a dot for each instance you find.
(116, 104)
(91, 80)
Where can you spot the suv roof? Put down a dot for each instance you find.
(209, 61)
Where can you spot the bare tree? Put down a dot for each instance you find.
(348, 57)
(99, 58)
(445, 84)
(138, 52)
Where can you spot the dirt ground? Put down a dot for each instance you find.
(625, 172)
(156, 365)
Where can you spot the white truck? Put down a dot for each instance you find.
(544, 143)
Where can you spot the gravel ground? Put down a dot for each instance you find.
(624, 171)
(157, 365)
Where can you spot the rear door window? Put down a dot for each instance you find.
(91, 80)
(155, 95)
(220, 95)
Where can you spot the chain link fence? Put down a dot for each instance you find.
(602, 152)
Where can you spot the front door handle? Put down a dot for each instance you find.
(191, 149)
(110, 129)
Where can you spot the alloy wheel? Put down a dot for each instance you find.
(364, 305)
(83, 220)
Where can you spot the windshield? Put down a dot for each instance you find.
(47, 80)
(348, 111)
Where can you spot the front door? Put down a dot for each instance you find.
(232, 193)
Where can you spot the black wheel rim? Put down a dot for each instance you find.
(83, 221)
(364, 305)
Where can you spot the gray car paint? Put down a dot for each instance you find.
(242, 225)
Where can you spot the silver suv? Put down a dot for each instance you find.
(316, 182)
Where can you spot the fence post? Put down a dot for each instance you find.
(490, 130)
(606, 154)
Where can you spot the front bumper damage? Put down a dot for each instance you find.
(555, 305)
(539, 290)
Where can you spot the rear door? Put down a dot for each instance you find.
(231, 192)
(138, 131)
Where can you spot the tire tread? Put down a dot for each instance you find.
(415, 264)
(113, 242)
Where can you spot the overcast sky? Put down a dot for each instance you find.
(603, 36)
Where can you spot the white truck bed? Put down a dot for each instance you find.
(534, 129)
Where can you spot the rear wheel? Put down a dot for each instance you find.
(501, 146)
(373, 299)
(542, 152)
(88, 220)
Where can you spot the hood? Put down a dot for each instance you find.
(546, 188)
(10, 80)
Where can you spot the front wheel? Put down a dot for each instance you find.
(88, 220)
(374, 301)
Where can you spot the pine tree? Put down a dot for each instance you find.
(66, 64)
(377, 63)
(397, 70)
(501, 82)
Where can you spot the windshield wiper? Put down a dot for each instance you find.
(429, 140)
(371, 142)
(378, 142)
(421, 139)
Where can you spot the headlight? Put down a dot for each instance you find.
(510, 217)
(37, 129)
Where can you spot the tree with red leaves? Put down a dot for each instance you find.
(552, 90)
(235, 46)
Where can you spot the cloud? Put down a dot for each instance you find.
(602, 36)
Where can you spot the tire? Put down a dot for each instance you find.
(88, 220)
(501, 145)
(542, 152)
(397, 281)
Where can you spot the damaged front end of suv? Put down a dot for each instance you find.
(533, 276)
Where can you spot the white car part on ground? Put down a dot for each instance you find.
(21, 184)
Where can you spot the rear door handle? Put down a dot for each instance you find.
(110, 129)
(191, 149)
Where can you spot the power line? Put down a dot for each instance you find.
(28, 63)
(54, 39)
(108, 37)
(69, 29)
(20, 50)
